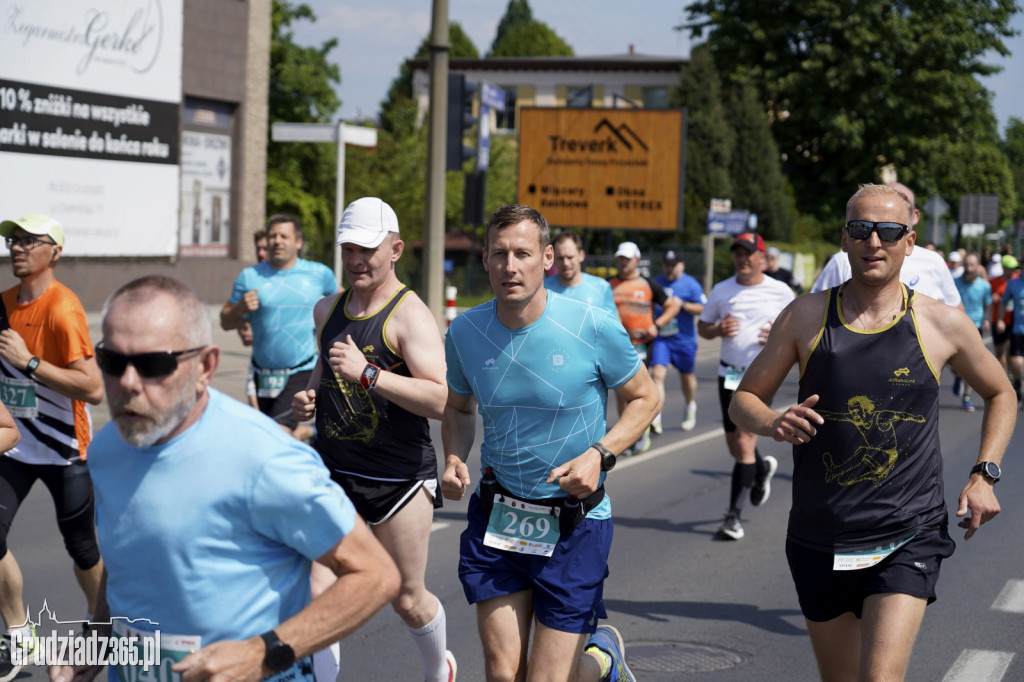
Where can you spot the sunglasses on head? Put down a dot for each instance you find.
(148, 365)
(887, 232)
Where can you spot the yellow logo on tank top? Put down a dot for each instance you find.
(873, 460)
(902, 376)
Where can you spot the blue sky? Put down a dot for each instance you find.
(374, 38)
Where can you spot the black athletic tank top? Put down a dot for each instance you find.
(358, 431)
(873, 472)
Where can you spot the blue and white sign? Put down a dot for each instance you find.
(733, 222)
(492, 96)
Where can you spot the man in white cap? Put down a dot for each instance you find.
(48, 373)
(277, 299)
(635, 297)
(379, 376)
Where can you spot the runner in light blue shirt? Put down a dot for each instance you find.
(537, 366)
(572, 281)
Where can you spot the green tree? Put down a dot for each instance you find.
(1013, 148)
(399, 103)
(535, 39)
(301, 176)
(755, 170)
(520, 35)
(517, 15)
(709, 140)
(853, 86)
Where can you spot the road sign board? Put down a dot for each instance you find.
(733, 222)
(603, 167)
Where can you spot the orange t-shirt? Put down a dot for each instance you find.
(56, 330)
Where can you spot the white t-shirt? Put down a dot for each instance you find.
(923, 270)
(756, 306)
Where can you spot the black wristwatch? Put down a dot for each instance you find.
(989, 470)
(32, 366)
(607, 458)
(279, 656)
(368, 379)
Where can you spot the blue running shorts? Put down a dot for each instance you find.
(664, 353)
(568, 586)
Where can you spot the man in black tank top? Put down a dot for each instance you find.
(868, 528)
(379, 376)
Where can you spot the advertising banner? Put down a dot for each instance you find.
(90, 99)
(612, 168)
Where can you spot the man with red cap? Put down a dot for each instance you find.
(741, 310)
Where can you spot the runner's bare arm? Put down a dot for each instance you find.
(367, 580)
(9, 434)
(792, 334)
(949, 335)
(458, 430)
(232, 314)
(414, 333)
(80, 380)
(304, 402)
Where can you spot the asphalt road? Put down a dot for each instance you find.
(688, 605)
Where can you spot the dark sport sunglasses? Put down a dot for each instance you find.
(887, 232)
(148, 365)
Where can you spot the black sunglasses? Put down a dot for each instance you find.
(27, 242)
(148, 365)
(887, 232)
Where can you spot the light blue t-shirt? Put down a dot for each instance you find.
(592, 290)
(283, 332)
(542, 390)
(1013, 297)
(213, 533)
(681, 331)
(975, 296)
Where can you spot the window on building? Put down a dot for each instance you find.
(506, 120)
(580, 97)
(655, 98)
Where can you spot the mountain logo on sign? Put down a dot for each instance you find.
(621, 132)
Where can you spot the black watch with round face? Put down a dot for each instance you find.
(279, 656)
(989, 470)
(607, 458)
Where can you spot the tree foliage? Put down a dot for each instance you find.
(1013, 149)
(755, 170)
(399, 98)
(520, 35)
(301, 176)
(853, 86)
(709, 140)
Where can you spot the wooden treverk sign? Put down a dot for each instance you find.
(619, 168)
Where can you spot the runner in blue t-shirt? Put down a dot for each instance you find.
(976, 295)
(571, 281)
(1013, 298)
(537, 366)
(277, 298)
(209, 516)
(676, 342)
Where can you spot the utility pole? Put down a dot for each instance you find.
(433, 242)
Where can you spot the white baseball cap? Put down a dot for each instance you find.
(366, 222)
(628, 250)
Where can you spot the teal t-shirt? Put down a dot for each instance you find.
(542, 390)
(592, 290)
(282, 328)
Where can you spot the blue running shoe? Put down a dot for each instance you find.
(608, 640)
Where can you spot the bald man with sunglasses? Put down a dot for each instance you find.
(868, 530)
(209, 515)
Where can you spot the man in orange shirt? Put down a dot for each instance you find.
(47, 374)
(635, 296)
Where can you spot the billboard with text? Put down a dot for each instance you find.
(90, 101)
(611, 168)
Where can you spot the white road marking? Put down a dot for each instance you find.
(438, 525)
(1011, 598)
(978, 665)
(667, 448)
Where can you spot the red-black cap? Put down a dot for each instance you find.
(751, 241)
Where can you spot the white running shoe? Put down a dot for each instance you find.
(656, 425)
(691, 417)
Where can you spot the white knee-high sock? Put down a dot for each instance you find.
(431, 640)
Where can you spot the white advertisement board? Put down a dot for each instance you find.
(206, 199)
(90, 108)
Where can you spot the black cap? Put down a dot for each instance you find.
(671, 258)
